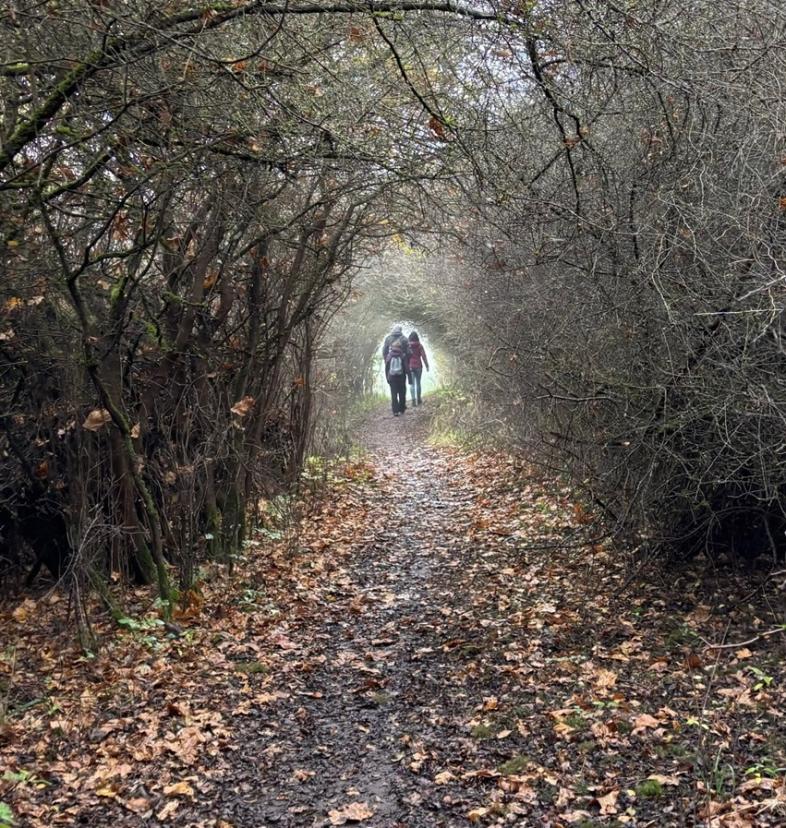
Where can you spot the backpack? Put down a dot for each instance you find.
(395, 362)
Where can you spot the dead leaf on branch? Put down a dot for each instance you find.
(96, 419)
(242, 407)
(437, 127)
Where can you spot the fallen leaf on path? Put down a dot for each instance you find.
(608, 803)
(443, 778)
(605, 679)
(168, 810)
(576, 816)
(24, 611)
(107, 791)
(663, 779)
(139, 805)
(643, 722)
(179, 789)
(354, 812)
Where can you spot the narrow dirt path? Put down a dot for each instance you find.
(384, 683)
(358, 729)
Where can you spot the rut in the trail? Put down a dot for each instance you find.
(379, 688)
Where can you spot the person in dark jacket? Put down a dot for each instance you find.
(396, 333)
(417, 360)
(395, 352)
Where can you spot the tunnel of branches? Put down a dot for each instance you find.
(209, 219)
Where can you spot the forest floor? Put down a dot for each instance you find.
(437, 641)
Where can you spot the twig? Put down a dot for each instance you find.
(753, 640)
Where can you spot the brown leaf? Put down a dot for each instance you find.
(24, 611)
(168, 810)
(605, 679)
(107, 791)
(354, 812)
(437, 127)
(664, 780)
(179, 789)
(608, 802)
(138, 805)
(581, 515)
(242, 407)
(96, 419)
(643, 722)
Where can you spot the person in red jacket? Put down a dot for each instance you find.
(417, 360)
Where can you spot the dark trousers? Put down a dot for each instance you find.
(398, 394)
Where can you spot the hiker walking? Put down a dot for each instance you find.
(417, 359)
(395, 352)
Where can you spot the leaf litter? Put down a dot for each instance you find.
(438, 640)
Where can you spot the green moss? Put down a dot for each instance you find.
(251, 667)
(674, 750)
(649, 789)
(576, 721)
(482, 731)
(514, 765)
